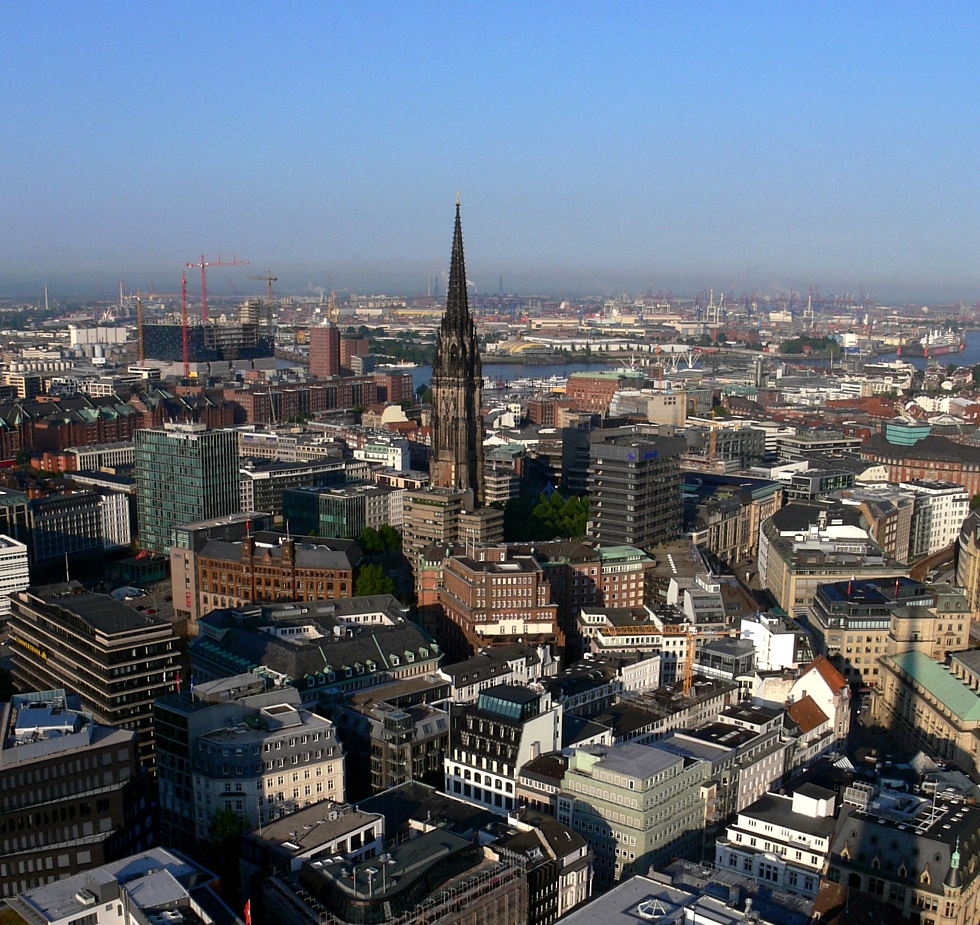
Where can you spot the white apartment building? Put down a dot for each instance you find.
(777, 642)
(93, 458)
(940, 509)
(491, 740)
(114, 510)
(282, 760)
(14, 572)
(392, 454)
(782, 841)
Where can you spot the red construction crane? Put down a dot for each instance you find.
(204, 264)
(183, 322)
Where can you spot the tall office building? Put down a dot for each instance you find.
(185, 473)
(116, 658)
(325, 351)
(56, 824)
(456, 459)
(634, 487)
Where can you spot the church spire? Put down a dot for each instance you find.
(457, 305)
(456, 446)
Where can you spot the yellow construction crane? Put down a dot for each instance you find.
(269, 280)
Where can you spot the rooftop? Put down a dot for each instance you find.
(933, 677)
(633, 760)
(101, 612)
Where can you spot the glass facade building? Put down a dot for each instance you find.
(185, 473)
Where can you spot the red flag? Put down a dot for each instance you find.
(178, 680)
(248, 912)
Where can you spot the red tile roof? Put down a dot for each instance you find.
(806, 714)
(835, 680)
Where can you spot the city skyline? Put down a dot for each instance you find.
(595, 151)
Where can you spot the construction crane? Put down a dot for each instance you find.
(269, 279)
(204, 264)
(183, 323)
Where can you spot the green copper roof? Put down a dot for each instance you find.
(948, 690)
(611, 553)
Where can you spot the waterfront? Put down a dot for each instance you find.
(969, 356)
(508, 372)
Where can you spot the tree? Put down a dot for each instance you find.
(224, 838)
(427, 397)
(370, 541)
(544, 518)
(390, 538)
(372, 580)
(226, 826)
(975, 502)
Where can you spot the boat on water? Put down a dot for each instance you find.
(935, 344)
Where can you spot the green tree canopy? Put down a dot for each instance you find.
(226, 826)
(372, 580)
(527, 519)
(391, 539)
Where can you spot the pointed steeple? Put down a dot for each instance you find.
(953, 879)
(457, 305)
(456, 452)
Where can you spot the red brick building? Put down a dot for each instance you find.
(325, 351)
(931, 458)
(233, 574)
(395, 387)
(594, 391)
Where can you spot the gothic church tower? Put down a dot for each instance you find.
(456, 457)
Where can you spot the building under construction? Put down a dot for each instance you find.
(210, 342)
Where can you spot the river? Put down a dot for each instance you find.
(970, 356)
(510, 371)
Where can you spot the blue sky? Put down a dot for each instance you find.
(596, 147)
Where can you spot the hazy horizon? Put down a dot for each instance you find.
(596, 149)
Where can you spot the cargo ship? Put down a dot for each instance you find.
(934, 344)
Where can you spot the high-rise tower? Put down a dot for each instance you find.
(456, 458)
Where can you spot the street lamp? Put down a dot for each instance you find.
(371, 874)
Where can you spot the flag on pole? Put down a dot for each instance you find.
(248, 912)
(178, 680)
